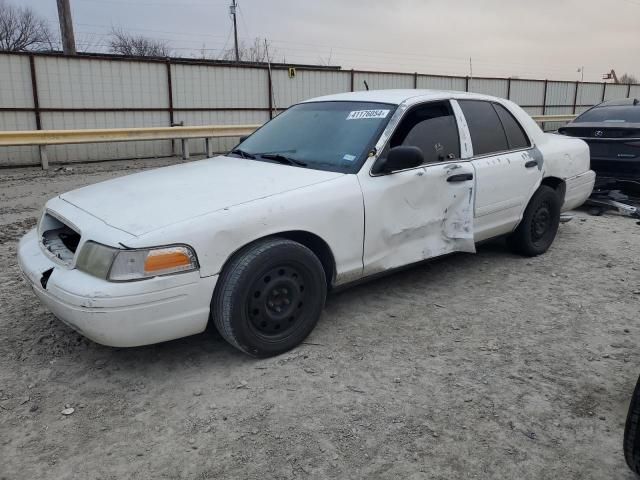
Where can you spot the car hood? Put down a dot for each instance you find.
(154, 199)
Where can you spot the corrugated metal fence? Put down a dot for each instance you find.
(49, 91)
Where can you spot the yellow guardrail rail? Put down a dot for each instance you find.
(553, 118)
(42, 138)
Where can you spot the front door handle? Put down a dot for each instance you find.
(531, 164)
(461, 177)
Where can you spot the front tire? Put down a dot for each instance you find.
(539, 224)
(269, 297)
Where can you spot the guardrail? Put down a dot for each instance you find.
(42, 138)
(553, 118)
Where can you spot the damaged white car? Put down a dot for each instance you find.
(331, 191)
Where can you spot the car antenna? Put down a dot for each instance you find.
(366, 85)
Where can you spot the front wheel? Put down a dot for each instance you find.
(539, 224)
(269, 297)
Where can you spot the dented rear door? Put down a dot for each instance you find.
(417, 214)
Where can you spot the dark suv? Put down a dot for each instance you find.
(612, 130)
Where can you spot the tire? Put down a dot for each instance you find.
(632, 432)
(269, 297)
(539, 224)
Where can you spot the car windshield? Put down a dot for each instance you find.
(335, 136)
(618, 114)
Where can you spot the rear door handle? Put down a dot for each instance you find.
(531, 164)
(461, 177)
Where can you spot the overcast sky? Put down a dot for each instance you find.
(526, 38)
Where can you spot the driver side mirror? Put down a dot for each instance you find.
(243, 138)
(399, 158)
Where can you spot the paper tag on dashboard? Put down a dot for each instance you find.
(366, 114)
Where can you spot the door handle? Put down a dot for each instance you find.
(461, 177)
(531, 164)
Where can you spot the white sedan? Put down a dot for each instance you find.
(331, 191)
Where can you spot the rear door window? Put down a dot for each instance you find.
(487, 133)
(516, 137)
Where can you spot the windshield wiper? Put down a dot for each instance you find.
(278, 157)
(242, 153)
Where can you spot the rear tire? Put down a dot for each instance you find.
(539, 224)
(269, 297)
(632, 432)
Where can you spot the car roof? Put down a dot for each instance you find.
(396, 97)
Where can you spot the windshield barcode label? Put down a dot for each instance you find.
(365, 114)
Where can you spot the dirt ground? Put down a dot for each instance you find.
(472, 366)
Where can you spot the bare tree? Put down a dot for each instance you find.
(21, 29)
(628, 78)
(137, 45)
(257, 52)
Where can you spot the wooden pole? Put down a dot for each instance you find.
(66, 27)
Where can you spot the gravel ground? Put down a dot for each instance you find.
(472, 366)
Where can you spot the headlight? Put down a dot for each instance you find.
(119, 265)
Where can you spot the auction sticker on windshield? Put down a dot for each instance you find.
(365, 114)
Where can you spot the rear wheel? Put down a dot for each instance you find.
(269, 297)
(539, 224)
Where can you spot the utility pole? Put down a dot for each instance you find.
(66, 27)
(232, 10)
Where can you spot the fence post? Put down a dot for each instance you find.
(352, 79)
(42, 151)
(415, 80)
(604, 90)
(466, 84)
(575, 97)
(544, 99)
(269, 87)
(509, 88)
(170, 99)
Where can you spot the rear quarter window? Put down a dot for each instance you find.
(516, 137)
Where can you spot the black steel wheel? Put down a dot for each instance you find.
(537, 230)
(269, 297)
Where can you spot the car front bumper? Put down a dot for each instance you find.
(125, 314)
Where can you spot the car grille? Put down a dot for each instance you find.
(58, 239)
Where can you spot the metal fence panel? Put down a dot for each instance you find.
(97, 83)
(203, 86)
(442, 83)
(13, 156)
(15, 81)
(589, 93)
(635, 91)
(489, 86)
(220, 117)
(560, 93)
(381, 81)
(616, 92)
(307, 84)
(105, 151)
(527, 92)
